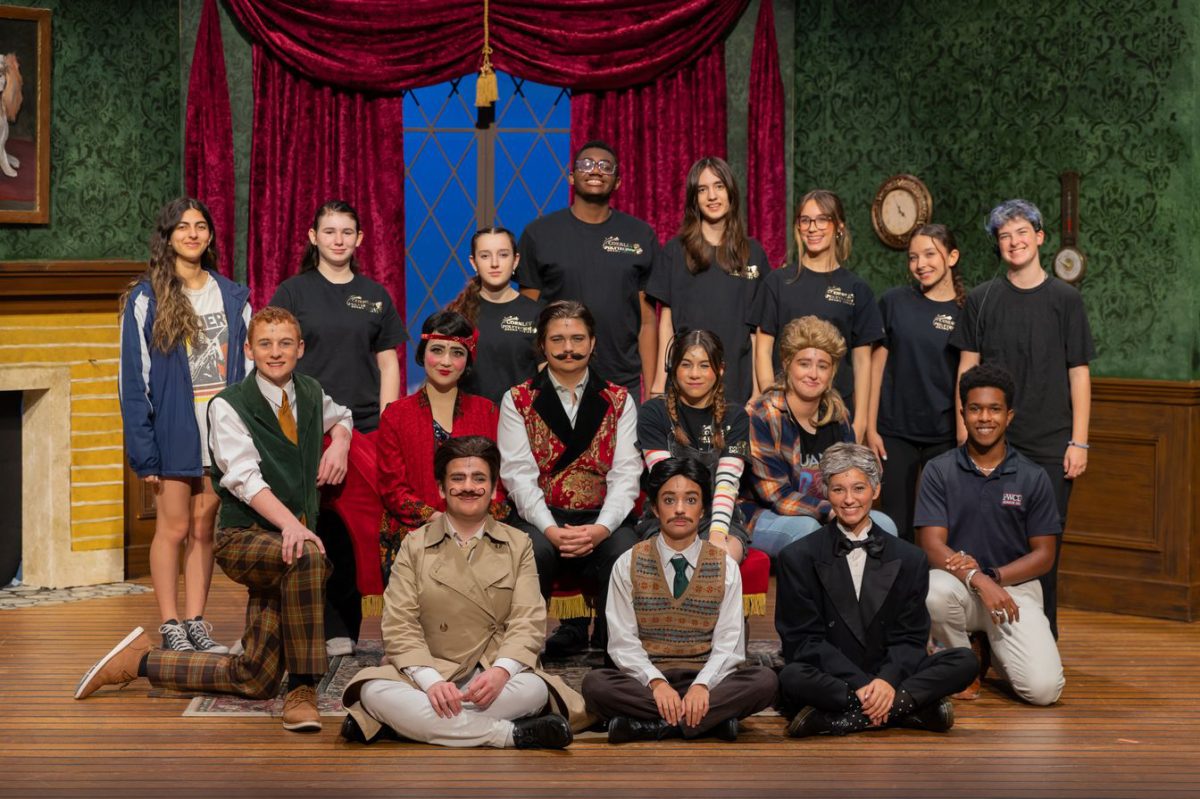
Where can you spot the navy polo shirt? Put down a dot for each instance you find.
(992, 517)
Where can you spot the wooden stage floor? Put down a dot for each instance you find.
(1128, 726)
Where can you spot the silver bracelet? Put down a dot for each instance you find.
(970, 576)
(1077, 444)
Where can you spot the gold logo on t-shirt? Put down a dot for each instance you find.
(515, 324)
(836, 294)
(614, 244)
(359, 303)
(750, 272)
(944, 321)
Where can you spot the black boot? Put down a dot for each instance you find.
(623, 729)
(352, 732)
(727, 730)
(935, 717)
(570, 638)
(549, 731)
(811, 721)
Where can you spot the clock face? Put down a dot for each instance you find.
(1069, 264)
(899, 211)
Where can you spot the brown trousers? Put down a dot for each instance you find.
(609, 693)
(285, 624)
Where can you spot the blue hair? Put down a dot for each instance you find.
(1009, 210)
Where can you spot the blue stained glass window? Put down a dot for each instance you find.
(524, 153)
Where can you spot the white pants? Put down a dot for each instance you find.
(1023, 650)
(407, 710)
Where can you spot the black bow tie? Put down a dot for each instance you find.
(873, 544)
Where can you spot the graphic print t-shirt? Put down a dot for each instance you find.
(208, 354)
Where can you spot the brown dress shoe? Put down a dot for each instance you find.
(118, 667)
(300, 710)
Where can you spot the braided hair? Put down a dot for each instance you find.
(683, 341)
(467, 301)
(945, 238)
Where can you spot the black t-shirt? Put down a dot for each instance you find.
(717, 301)
(506, 353)
(839, 297)
(992, 517)
(604, 266)
(343, 326)
(1038, 334)
(916, 400)
(654, 428)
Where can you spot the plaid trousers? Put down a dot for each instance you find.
(285, 621)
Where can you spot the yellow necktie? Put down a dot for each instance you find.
(287, 423)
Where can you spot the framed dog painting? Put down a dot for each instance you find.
(24, 114)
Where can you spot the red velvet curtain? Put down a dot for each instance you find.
(208, 134)
(388, 46)
(658, 130)
(313, 143)
(766, 186)
(328, 119)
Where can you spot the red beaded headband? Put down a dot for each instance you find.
(467, 341)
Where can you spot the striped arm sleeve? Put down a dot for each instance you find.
(728, 478)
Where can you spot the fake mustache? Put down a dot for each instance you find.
(466, 493)
(569, 356)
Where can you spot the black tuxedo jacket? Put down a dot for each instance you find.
(882, 633)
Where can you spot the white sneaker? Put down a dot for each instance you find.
(339, 646)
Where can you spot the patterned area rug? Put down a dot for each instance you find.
(27, 596)
(342, 669)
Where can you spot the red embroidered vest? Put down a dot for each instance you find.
(580, 484)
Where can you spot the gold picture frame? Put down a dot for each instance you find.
(25, 77)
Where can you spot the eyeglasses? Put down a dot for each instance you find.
(819, 222)
(590, 164)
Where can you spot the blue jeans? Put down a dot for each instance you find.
(773, 532)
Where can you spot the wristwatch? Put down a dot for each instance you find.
(994, 574)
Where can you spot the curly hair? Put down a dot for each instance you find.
(175, 320)
(987, 375)
(683, 341)
(809, 332)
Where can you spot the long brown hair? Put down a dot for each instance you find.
(467, 301)
(312, 256)
(175, 320)
(830, 204)
(734, 250)
(942, 235)
(684, 340)
(810, 332)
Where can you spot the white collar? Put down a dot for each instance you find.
(561, 389)
(273, 393)
(692, 553)
(862, 536)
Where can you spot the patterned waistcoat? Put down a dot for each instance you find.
(573, 462)
(679, 630)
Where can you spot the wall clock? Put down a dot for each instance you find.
(901, 205)
(1070, 263)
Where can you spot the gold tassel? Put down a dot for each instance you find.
(754, 604)
(486, 89)
(569, 607)
(372, 606)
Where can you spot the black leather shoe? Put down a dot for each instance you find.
(550, 731)
(811, 721)
(727, 730)
(352, 732)
(936, 717)
(568, 639)
(623, 729)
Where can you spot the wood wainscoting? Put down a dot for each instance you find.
(1132, 543)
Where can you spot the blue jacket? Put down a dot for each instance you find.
(157, 402)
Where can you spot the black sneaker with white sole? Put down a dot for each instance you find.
(175, 637)
(198, 633)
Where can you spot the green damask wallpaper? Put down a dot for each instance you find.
(986, 102)
(116, 135)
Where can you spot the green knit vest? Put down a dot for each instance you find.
(677, 631)
(290, 470)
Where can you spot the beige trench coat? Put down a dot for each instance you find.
(443, 612)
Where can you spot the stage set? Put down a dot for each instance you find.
(264, 113)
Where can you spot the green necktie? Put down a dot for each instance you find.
(681, 581)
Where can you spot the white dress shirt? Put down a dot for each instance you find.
(427, 676)
(233, 449)
(856, 560)
(519, 469)
(624, 646)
